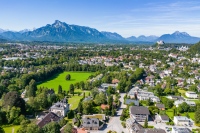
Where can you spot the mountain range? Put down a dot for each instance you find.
(63, 32)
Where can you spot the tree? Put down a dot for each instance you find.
(100, 98)
(70, 114)
(113, 111)
(59, 89)
(197, 115)
(1, 130)
(13, 99)
(146, 123)
(82, 85)
(169, 104)
(107, 79)
(52, 127)
(187, 115)
(167, 91)
(110, 90)
(148, 102)
(110, 100)
(13, 114)
(31, 92)
(68, 77)
(79, 108)
(71, 89)
(68, 128)
(87, 107)
(30, 128)
(153, 110)
(184, 107)
(62, 122)
(174, 112)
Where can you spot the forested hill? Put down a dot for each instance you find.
(195, 48)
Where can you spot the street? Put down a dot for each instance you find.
(114, 123)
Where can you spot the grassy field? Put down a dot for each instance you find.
(9, 129)
(169, 112)
(73, 101)
(59, 79)
(182, 92)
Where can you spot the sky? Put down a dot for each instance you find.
(126, 17)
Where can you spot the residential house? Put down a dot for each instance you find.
(115, 81)
(132, 126)
(149, 130)
(60, 108)
(152, 68)
(198, 87)
(150, 80)
(139, 113)
(82, 130)
(129, 101)
(191, 94)
(74, 130)
(181, 120)
(175, 97)
(190, 81)
(160, 106)
(163, 118)
(180, 130)
(105, 86)
(190, 103)
(89, 98)
(104, 106)
(90, 123)
(48, 118)
(142, 94)
(100, 117)
(173, 55)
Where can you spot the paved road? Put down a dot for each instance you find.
(115, 123)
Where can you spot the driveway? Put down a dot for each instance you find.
(115, 123)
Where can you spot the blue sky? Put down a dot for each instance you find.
(126, 17)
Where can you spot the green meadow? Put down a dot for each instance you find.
(11, 129)
(59, 79)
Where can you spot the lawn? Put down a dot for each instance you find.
(59, 79)
(73, 101)
(182, 92)
(10, 129)
(169, 112)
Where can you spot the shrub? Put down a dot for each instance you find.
(123, 124)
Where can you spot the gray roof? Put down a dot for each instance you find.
(139, 110)
(160, 105)
(181, 130)
(88, 98)
(129, 101)
(152, 131)
(164, 117)
(181, 118)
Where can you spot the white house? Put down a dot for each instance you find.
(142, 94)
(181, 120)
(60, 108)
(191, 94)
(190, 103)
(180, 130)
